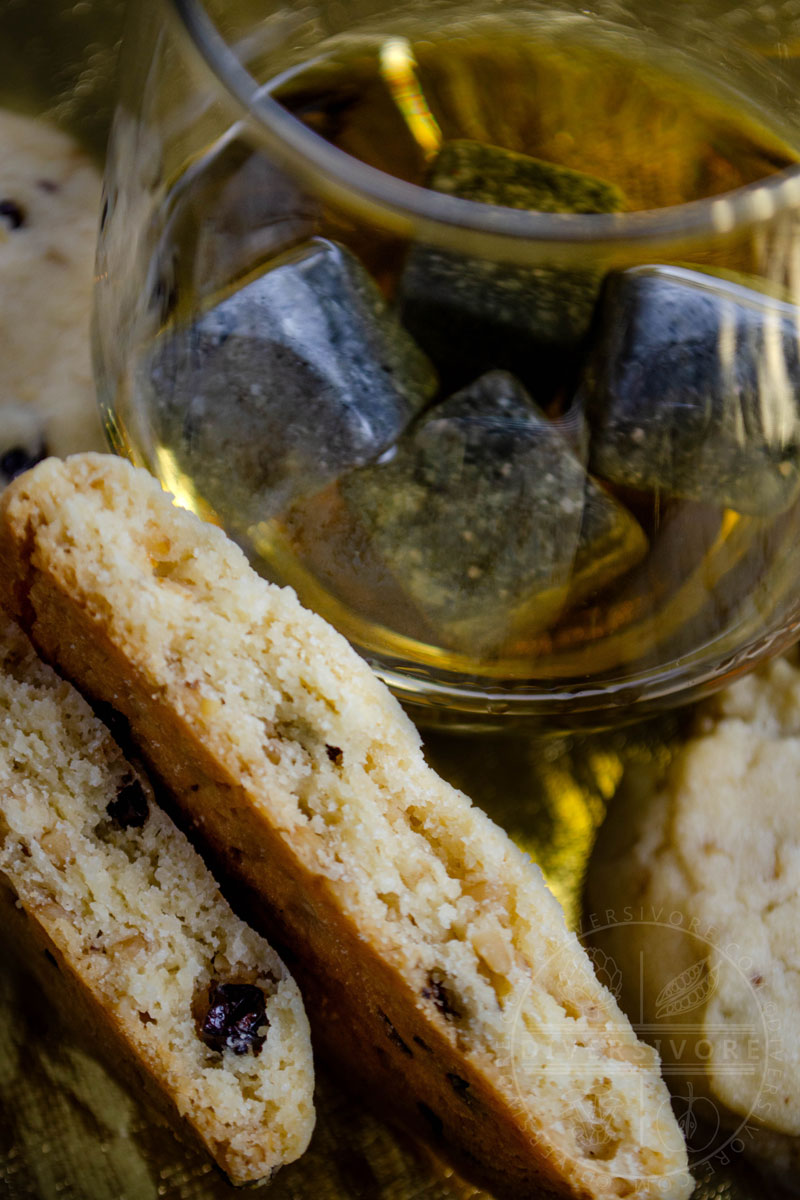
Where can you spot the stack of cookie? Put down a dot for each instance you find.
(433, 961)
(102, 894)
(124, 921)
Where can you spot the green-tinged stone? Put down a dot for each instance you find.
(492, 175)
(482, 513)
(471, 314)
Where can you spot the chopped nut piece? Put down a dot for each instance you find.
(56, 846)
(128, 946)
(490, 945)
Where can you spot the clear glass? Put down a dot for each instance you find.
(477, 327)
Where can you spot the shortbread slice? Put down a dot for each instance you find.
(184, 997)
(444, 973)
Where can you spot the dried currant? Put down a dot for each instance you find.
(236, 1012)
(438, 993)
(16, 460)
(335, 755)
(130, 809)
(11, 212)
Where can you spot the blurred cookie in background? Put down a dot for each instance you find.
(22, 441)
(693, 896)
(49, 205)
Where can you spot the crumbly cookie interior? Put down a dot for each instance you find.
(427, 877)
(137, 914)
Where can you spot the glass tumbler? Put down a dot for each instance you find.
(477, 327)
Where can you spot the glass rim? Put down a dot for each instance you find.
(407, 208)
(597, 704)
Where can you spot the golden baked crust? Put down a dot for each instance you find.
(96, 879)
(440, 965)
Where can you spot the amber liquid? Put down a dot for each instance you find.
(663, 139)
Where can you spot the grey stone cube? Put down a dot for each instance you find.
(299, 376)
(479, 511)
(693, 390)
(471, 314)
(232, 209)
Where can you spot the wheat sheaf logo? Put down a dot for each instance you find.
(687, 992)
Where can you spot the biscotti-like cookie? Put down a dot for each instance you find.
(701, 871)
(185, 999)
(49, 210)
(438, 965)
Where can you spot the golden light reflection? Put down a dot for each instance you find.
(575, 816)
(730, 519)
(608, 770)
(399, 69)
(180, 486)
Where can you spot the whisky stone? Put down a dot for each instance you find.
(693, 390)
(478, 514)
(471, 314)
(232, 209)
(301, 375)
